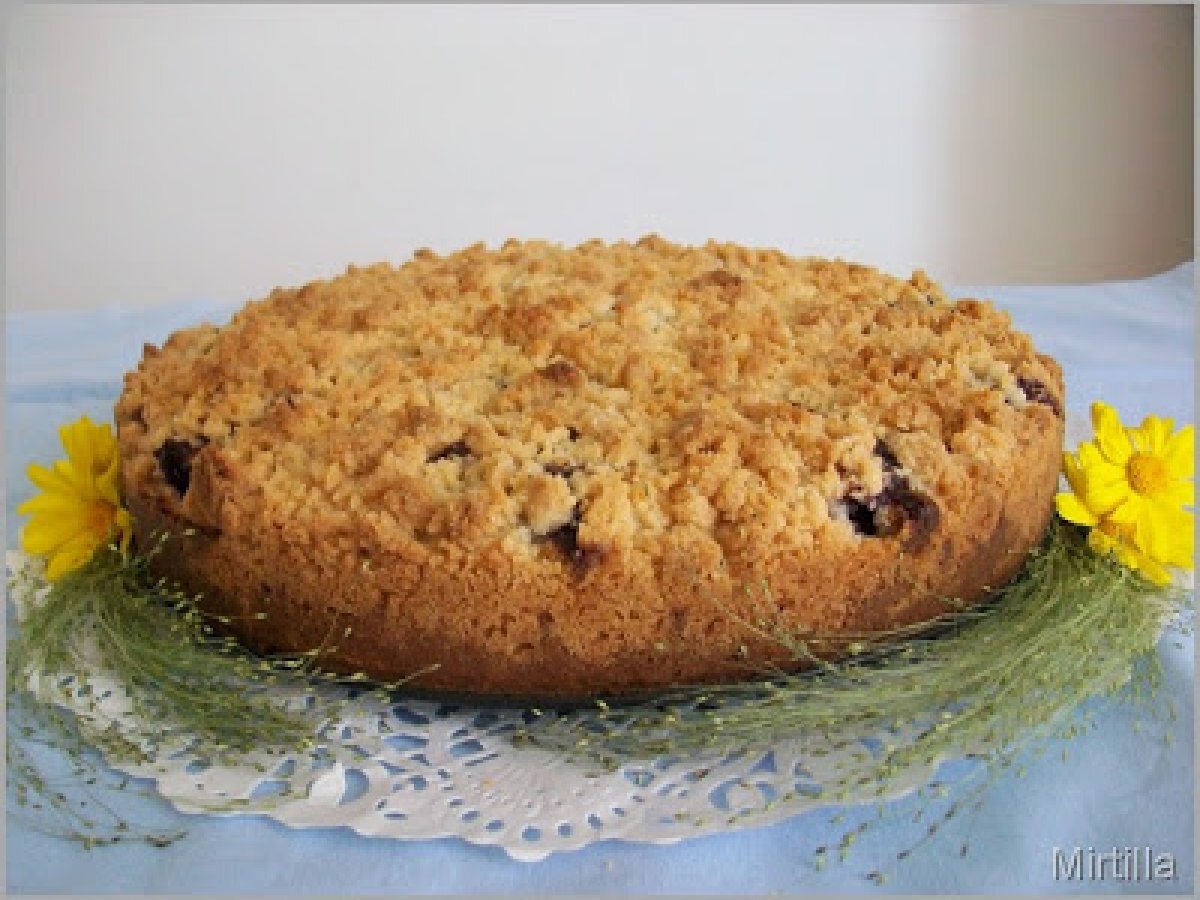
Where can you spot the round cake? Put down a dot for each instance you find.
(564, 472)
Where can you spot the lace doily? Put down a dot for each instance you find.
(417, 769)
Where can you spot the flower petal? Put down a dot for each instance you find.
(80, 482)
(71, 555)
(1071, 508)
(108, 464)
(50, 480)
(77, 441)
(52, 504)
(1179, 453)
(44, 534)
(1074, 472)
(1153, 433)
(1153, 570)
(108, 484)
(1105, 487)
(1175, 536)
(1111, 436)
(1128, 510)
(1182, 555)
(1179, 493)
(1160, 529)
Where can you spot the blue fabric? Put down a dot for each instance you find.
(1128, 343)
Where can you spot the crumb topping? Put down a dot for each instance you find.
(575, 404)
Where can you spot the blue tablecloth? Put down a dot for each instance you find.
(1129, 343)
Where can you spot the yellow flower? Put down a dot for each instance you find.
(79, 509)
(1131, 487)
(1118, 539)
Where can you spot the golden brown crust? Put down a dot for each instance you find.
(561, 472)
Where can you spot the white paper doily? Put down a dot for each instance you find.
(419, 770)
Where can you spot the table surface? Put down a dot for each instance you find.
(1129, 343)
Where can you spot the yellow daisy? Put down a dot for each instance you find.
(79, 509)
(1118, 539)
(1131, 487)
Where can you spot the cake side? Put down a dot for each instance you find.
(570, 471)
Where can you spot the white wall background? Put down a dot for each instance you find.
(155, 153)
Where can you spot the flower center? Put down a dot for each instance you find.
(100, 517)
(1147, 474)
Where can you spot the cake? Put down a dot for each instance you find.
(544, 471)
